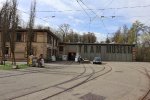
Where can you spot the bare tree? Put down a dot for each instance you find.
(5, 24)
(89, 38)
(30, 33)
(64, 30)
(8, 23)
(13, 29)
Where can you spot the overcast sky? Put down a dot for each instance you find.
(102, 23)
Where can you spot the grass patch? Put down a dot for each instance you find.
(23, 66)
(8, 66)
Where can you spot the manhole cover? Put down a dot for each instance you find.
(91, 96)
(119, 71)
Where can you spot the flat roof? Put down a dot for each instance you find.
(63, 43)
(38, 30)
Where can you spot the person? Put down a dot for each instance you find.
(30, 60)
(34, 61)
(79, 59)
(40, 60)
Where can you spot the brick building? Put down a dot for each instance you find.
(44, 42)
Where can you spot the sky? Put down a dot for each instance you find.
(102, 17)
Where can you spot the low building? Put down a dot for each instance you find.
(46, 43)
(108, 52)
(43, 42)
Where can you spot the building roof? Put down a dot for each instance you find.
(95, 44)
(38, 30)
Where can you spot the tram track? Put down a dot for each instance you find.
(90, 78)
(145, 72)
(52, 85)
(146, 96)
(74, 86)
(93, 75)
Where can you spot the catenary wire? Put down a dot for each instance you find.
(97, 16)
(117, 8)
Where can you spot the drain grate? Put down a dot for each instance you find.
(91, 96)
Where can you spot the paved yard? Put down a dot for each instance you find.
(73, 81)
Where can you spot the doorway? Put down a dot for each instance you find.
(71, 56)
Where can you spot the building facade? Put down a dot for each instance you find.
(43, 42)
(46, 43)
(108, 52)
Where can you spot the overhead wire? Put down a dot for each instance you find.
(35, 16)
(44, 20)
(104, 16)
(111, 16)
(83, 9)
(117, 8)
(86, 14)
(97, 16)
(108, 4)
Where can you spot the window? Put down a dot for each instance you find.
(61, 48)
(85, 49)
(49, 39)
(92, 49)
(7, 50)
(19, 37)
(34, 37)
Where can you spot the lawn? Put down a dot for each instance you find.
(8, 66)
